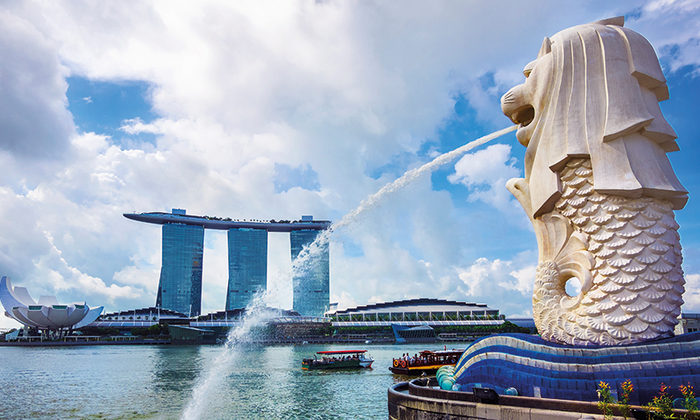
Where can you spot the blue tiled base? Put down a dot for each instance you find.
(536, 367)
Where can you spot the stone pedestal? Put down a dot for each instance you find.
(538, 368)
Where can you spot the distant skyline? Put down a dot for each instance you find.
(277, 109)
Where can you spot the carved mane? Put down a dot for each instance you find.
(603, 103)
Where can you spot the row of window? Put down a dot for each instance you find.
(419, 316)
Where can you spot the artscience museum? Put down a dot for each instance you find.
(47, 313)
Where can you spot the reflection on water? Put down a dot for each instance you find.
(155, 382)
(174, 372)
(175, 368)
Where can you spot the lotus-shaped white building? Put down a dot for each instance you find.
(47, 314)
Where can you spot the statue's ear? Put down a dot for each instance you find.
(546, 48)
(615, 21)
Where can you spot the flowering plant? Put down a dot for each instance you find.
(690, 403)
(606, 400)
(624, 406)
(662, 404)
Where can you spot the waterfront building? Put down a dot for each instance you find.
(47, 313)
(140, 318)
(180, 286)
(688, 322)
(247, 265)
(416, 312)
(311, 282)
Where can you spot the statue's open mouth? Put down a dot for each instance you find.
(523, 115)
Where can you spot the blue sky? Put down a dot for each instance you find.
(271, 110)
(102, 106)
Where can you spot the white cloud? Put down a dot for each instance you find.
(673, 28)
(487, 166)
(526, 280)
(692, 293)
(91, 143)
(485, 173)
(483, 275)
(69, 279)
(338, 87)
(504, 285)
(678, 5)
(344, 300)
(33, 89)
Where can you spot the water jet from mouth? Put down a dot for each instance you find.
(255, 314)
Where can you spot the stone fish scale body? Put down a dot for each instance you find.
(589, 108)
(634, 265)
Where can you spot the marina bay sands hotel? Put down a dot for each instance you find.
(180, 285)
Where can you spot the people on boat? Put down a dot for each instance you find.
(426, 358)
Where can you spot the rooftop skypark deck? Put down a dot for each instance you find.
(180, 284)
(208, 222)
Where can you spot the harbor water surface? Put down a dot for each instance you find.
(157, 382)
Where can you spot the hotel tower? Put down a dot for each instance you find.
(180, 285)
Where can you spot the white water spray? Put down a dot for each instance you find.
(305, 256)
(411, 175)
(256, 314)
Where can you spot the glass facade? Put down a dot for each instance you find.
(247, 266)
(311, 283)
(180, 285)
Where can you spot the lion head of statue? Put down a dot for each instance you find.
(594, 91)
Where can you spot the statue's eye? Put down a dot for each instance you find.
(528, 69)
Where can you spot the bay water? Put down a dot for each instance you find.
(207, 382)
(156, 382)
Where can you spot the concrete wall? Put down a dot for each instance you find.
(421, 403)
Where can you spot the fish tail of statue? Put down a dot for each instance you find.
(626, 254)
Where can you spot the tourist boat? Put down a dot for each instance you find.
(427, 361)
(338, 359)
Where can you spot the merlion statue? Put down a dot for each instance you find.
(599, 188)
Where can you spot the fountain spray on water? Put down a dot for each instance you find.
(257, 313)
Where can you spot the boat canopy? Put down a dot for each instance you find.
(442, 352)
(341, 351)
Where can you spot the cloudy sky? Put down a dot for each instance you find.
(277, 109)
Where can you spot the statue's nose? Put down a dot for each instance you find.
(512, 101)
